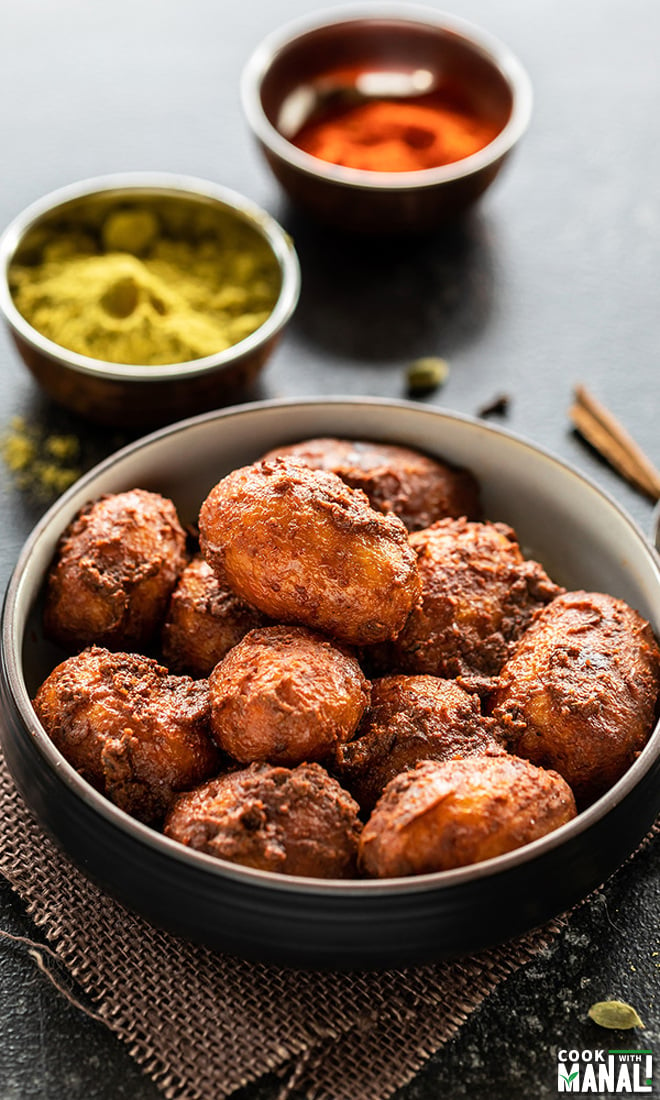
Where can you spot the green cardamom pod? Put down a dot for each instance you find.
(614, 1014)
(426, 374)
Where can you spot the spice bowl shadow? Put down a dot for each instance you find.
(193, 214)
(466, 69)
(410, 292)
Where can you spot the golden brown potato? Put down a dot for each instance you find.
(285, 694)
(304, 548)
(410, 718)
(204, 620)
(580, 692)
(133, 731)
(416, 488)
(296, 822)
(444, 815)
(478, 596)
(114, 570)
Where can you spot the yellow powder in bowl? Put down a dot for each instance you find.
(131, 294)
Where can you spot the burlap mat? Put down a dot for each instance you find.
(202, 1025)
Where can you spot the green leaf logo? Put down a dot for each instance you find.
(569, 1079)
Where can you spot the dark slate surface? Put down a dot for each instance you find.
(553, 280)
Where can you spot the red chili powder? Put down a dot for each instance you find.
(396, 136)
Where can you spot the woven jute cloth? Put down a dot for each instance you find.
(202, 1024)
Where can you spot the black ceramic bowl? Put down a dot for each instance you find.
(397, 37)
(145, 396)
(583, 539)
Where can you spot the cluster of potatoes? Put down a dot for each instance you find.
(352, 673)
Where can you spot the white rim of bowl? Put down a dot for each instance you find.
(11, 656)
(165, 184)
(491, 48)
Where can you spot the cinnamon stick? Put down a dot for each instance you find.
(604, 432)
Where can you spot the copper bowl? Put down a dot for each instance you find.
(396, 37)
(584, 540)
(145, 396)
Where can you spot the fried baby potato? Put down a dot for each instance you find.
(114, 570)
(444, 815)
(411, 718)
(204, 621)
(304, 548)
(580, 693)
(136, 733)
(295, 822)
(415, 487)
(478, 597)
(285, 694)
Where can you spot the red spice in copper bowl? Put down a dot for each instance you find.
(397, 135)
(385, 162)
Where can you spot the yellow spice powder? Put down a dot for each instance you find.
(176, 301)
(40, 463)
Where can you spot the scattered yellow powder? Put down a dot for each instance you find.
(41, 464)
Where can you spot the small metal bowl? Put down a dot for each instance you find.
(145, 396)
(584, 540)
(395, 37)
